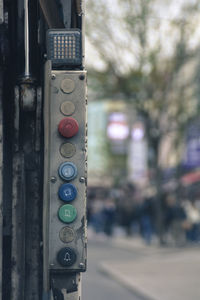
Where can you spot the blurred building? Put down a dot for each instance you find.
(117, 147)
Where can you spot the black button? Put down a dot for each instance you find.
(66, 257)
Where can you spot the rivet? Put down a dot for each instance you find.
(82, 179)
(53, 179)
(53, 76)
(82, 77)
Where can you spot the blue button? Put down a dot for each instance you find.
(67, 192)
(67, 171)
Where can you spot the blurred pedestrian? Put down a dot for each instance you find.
(109, 212)
(192, 223)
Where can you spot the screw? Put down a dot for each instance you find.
(82, 77)
(53, 76)
(82, 179)
(53, 179)
(81, 265)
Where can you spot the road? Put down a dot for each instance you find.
(96, 285)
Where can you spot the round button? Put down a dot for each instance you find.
(67, 171)
(66, 257)
(67, 192)
(68, 127)
(67, 86)
(67, 234)
(67, 213)
(67, 150)
(67, 108)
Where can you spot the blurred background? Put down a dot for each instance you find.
(143, 62)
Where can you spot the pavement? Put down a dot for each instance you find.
(157, 273)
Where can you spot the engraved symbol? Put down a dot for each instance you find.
(67, 192)
(67, 257)
(68, 171)
(67, 213)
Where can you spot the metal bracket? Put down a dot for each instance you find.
(65, 287)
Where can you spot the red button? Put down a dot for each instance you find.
(68, 127)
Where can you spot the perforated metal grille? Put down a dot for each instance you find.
(64, 47)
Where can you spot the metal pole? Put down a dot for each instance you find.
(26, 38)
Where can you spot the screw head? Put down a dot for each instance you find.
(82, 77)
(81, 265)
(82, 179)
(53, 179)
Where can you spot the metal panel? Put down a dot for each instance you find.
(51, 13)
(1, 183)
(1, 12)
(53, 159)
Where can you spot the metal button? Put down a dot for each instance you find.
(67, 192)
(67, 86)
(67, 171)
(67, 108)
(67, 150)
(67, 213)
(66, 257)
(67, 234)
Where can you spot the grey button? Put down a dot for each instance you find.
(67, 234)
(67, 86)
(67, 108)
(67, 150)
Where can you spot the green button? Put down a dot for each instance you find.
(67, 213)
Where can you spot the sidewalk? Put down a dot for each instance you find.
(159, 273)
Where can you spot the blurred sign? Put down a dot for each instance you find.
(117, 128)
(138, 131)
(97, 158)
(137, 156)
(190, 178)
(192, 153)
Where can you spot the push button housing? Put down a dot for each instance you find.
(68, 127)
(66, 257)
(67, 171)
(67, 213)
(67, 192)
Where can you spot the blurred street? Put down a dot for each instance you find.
(125, 268)
(143, 207)
(97, 285)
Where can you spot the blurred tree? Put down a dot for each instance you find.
(149, 60)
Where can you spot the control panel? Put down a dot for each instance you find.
(65, 174)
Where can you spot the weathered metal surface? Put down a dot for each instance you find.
(51, 13)
(79, 8)
(54, 97)
(46, 280)
(66, 286)
(53, 116)
(26, 272)
(28, 97)
(67, 12)
(1, 184)
(1, 12)
(18, 229)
